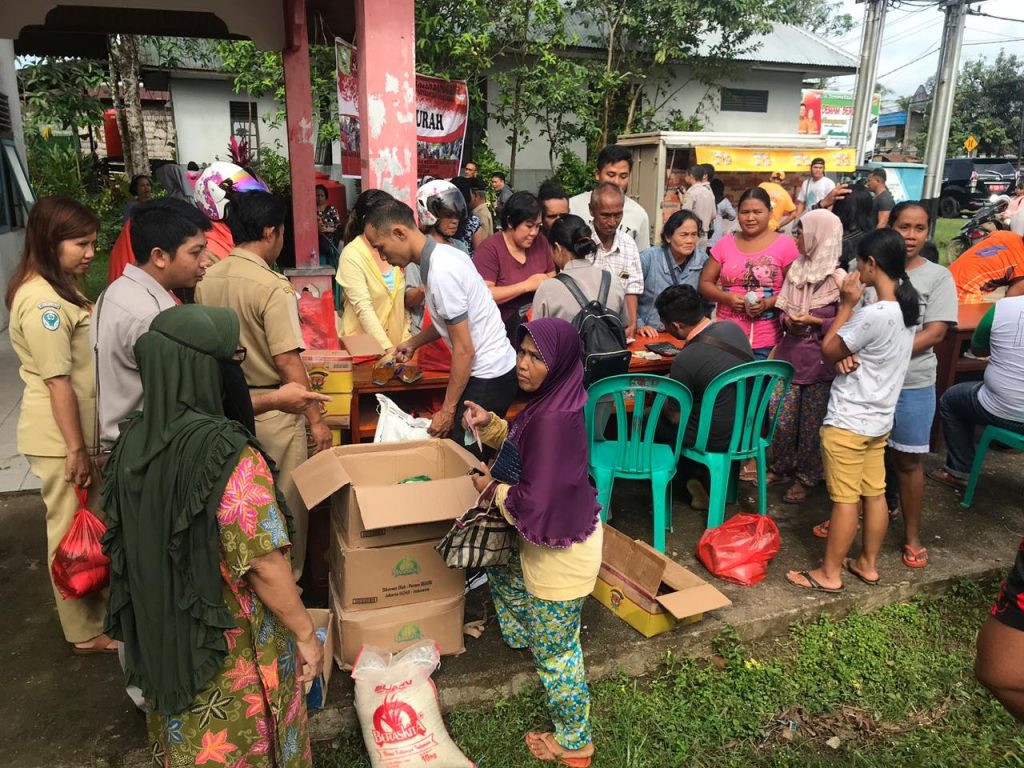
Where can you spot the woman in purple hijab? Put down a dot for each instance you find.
(539, 482)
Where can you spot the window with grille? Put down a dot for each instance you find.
(744, 100)
(6, 122)
(245, 124)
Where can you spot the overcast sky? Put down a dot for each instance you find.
(913, 33)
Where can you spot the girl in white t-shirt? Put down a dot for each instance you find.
(875, 342)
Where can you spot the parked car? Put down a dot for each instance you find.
(970, 182)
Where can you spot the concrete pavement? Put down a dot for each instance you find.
(62, 711)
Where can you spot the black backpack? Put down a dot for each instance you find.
(601, 331)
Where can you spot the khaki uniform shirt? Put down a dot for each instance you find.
(267, 309)
(51, 338)
(123, 313)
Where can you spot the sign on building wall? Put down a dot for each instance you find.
(442, 112)
(745, 159)
(830, 114)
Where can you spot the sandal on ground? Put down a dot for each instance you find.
(915, 558)
(821, 529)
(812, 583)
(848, 565)
(698, 495)
(748, 475)
(92, 647)
(545, 748)
(941, 475)
(793, 496)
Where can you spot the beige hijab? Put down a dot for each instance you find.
(813, 280)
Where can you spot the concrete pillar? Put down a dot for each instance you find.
(386, 43)
(301, 132)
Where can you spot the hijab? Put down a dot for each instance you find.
(813, 279)
(553, 504)
(172, 178)
(164, 483)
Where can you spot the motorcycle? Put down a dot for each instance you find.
(985, 221)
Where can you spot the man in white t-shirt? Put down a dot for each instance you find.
(615, 164)
(815, 189)
(701, 200)
(463, 313)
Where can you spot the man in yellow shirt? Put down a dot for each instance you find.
(269, 323)
(783, 207)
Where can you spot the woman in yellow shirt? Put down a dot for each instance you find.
(49, 329)
(543, 490)
(374, 291)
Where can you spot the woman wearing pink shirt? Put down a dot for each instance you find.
(745, 272)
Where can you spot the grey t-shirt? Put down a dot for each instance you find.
(938, 304)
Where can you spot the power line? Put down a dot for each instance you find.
(991, 16)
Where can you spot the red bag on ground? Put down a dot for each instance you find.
(740, 549)
(79, 566)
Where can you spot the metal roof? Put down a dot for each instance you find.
(892, 118)
(785, 45)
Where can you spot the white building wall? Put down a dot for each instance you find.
(11, 242)
(203, 122)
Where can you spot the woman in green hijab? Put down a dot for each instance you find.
(201, 590)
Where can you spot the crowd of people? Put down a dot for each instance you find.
(191, 358)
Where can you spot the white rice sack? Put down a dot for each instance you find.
(398, 709)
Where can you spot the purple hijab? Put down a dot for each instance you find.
(553, 504)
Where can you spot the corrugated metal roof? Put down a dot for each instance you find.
(892, 118)
(785, 44)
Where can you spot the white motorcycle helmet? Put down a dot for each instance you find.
(211, 192)
(439, 198)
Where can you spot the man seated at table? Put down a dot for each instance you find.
(463, 313)
(711, 348)
(998, 400)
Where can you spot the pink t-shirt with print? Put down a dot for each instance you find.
(760, 272)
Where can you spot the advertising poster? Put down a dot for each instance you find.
(830, 114)
(442, 113)
(747, 159)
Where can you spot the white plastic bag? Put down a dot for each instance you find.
(398, 711)
(396, 426)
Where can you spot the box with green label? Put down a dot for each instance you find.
(394, 629)
(385, 577)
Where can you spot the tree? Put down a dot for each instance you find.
(124, 88)
(822, 17)
(987, 105)
(62, 92)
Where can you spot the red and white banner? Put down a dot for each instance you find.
(442, 112)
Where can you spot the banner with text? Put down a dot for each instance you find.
(830, 114)
(746, 159)
(442, 113)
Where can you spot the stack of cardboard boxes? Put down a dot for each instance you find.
(390, 505)
(330, 373)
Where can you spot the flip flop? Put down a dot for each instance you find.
(941, 475)
(812, 583)
(76, 651)
(848, 565)
(915, 558)
(552, 749)
(821, 529)
(796, 498)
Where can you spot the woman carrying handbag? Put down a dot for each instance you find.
(549, 500)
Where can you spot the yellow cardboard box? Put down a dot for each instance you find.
(330, 370)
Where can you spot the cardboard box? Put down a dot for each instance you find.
(404, 574)
(649, 591)
(330, 370)
(362, 345)
(339, 406)
(316, 690)
(371, 508)
(394, 629)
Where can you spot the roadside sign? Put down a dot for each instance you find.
(970, 144)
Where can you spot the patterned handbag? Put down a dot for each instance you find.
(481, 538)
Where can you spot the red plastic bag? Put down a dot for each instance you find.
(79, 566)
(740, 549)
(318, 321)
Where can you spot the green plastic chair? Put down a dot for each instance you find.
(1000, 435)
(752, 432)
(634, 454)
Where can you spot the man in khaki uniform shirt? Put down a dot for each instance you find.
(269, 330)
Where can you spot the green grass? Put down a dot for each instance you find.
(946, 231)
(895, 686)
(95, 280)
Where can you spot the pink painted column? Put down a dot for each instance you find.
(301, 133)
(386, 43)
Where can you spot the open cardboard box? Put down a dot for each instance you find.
(385, 577)
(362, 346)
(371, 508)
(395, 629)
(649, 591)
(316, 690)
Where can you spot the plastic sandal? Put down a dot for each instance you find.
(915, 558)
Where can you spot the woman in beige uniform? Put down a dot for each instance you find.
(49, 329)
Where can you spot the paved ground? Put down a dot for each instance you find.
(62, 711)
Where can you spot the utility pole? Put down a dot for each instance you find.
(942, 102)
(867, 73)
